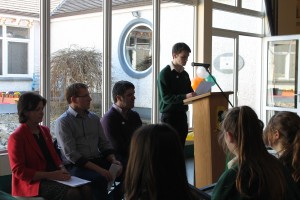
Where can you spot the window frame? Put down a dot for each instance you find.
(30, 52)
(122, 48)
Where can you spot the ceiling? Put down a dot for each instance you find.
(61, 8)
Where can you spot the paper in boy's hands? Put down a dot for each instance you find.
(113, 170)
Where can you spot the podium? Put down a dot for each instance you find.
(209, 157)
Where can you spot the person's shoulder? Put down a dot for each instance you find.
(229, 174)
(164, 73)
(17, 131)
(62, 116)
(166, 69)
(20, 129)
(108, 116)
(225, 186)
(133, 112)
(185, 72)
(110, 112)
(227, 179)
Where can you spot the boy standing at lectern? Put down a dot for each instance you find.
(174, 85)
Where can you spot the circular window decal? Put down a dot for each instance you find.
(135, 51)
(224, 63)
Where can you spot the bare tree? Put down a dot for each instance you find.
(71, 65)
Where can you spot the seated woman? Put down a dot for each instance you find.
(256, 174)
(156, 165)
(283, 135)
(33, 159)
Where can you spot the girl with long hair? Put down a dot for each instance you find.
(256, 174)
(156, 166)
(282, 133)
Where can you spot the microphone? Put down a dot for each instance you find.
(206, 66)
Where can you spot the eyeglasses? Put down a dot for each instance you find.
(84, 96)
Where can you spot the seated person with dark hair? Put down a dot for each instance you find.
(120, 121)
(283, 135)
(34, 162)
(156, 166)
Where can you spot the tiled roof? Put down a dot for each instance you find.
(75, 7)
(61, 8)
(30, 8)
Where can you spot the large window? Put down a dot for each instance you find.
(19, 65)
(236, 25)
(237, 22)
(281, 75)
(75, 58)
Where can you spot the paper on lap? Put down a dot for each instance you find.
(74, 181)
(113, 170)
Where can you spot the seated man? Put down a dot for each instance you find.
(120, 121)
(82, 142)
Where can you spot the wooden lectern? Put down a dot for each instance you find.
(209, 156)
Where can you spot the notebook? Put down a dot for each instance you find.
(204, 87)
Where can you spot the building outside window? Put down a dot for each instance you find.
(19, 59)
(14, 50)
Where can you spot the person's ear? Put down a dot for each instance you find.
(229, 136)
(73, 99)
(174, 55)
(276, 135)
(119, 98)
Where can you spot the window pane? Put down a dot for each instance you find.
(237, 22)
(281, 74)
(17, 58)
(1, 65)
(138, 48)
(16, 32)
(223, 63)
(227, 2)
(251, 55)
(75, 58)
(252, 5)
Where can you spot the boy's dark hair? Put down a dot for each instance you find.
(179, 47)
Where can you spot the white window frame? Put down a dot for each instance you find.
(29, 42)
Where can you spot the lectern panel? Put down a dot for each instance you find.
(209, 156)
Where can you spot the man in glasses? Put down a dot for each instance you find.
(84, 147)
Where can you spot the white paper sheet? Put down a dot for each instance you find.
(113, 170)
(74, 181)
(204, 87)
